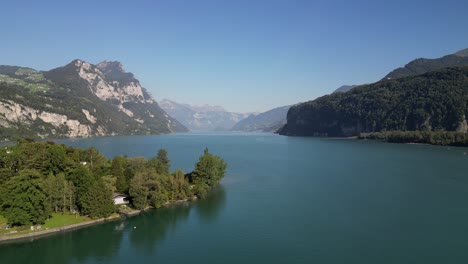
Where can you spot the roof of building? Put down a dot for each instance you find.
(117, 195)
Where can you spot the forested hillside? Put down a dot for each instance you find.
(428, 102)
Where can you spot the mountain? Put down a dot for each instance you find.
(462, 53)
(202, 118)
(269, 121)
(78, 100)
(420, 66)
(344, 88)
(432, 101)
(205, 108)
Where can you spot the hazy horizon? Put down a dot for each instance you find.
(246, 56)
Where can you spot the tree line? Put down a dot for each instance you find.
(38, 178)
(449, 138)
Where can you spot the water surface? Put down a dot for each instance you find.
(284, 200)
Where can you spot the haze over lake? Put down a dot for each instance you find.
(283, 200)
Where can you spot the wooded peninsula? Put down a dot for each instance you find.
(43, 180)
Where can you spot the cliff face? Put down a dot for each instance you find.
(435, 100)
(78, 100)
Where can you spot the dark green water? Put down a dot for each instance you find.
(284, 200)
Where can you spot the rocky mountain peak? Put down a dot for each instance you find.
(108, 66)
(114, 71)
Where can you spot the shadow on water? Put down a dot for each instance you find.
(153, 226)
(100, 241)
(208, 209)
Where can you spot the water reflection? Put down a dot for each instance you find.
(100, 241)
(104, 242)
(208, 209)
(152, 227)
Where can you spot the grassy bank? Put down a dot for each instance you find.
(59, 220)
(55, 221)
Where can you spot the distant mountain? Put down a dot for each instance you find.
(205, 108)
(202, 118)
(420, 66)
(269, 121)
(78, 100)
(344, 88)
(433, 101)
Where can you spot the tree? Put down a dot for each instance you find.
(24, 201)
(162, 157)
(139, 191)
(83, 181)
(97, 162)
(56, 157)
(109, 183)
(101, 205)
(117, 170)
(55, 190)
(209, 170)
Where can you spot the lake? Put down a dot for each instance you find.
(283, 200)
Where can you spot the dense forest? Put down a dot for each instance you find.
(434, 101)
(39, 178)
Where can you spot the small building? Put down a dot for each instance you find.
(119, 199)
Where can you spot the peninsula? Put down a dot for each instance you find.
(47, 187)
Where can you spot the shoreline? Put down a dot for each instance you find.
(43, 233)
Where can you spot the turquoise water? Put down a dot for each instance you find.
(284, 200)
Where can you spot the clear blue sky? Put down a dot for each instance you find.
(245, 55)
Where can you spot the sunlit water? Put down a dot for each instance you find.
(284, 200)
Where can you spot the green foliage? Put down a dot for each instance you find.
(423, 137)
(162, 157)
(433, 101)
(83, 180)
(37, 178)
(101, 204)
(24, 201)
(59, 192)
(117, 170)
(139, 191)
(209, 171)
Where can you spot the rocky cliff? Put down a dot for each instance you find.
(78, 100)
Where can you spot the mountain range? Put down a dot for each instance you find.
(202, 118)
(424, 95)
(78, 100)
(269, 121)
